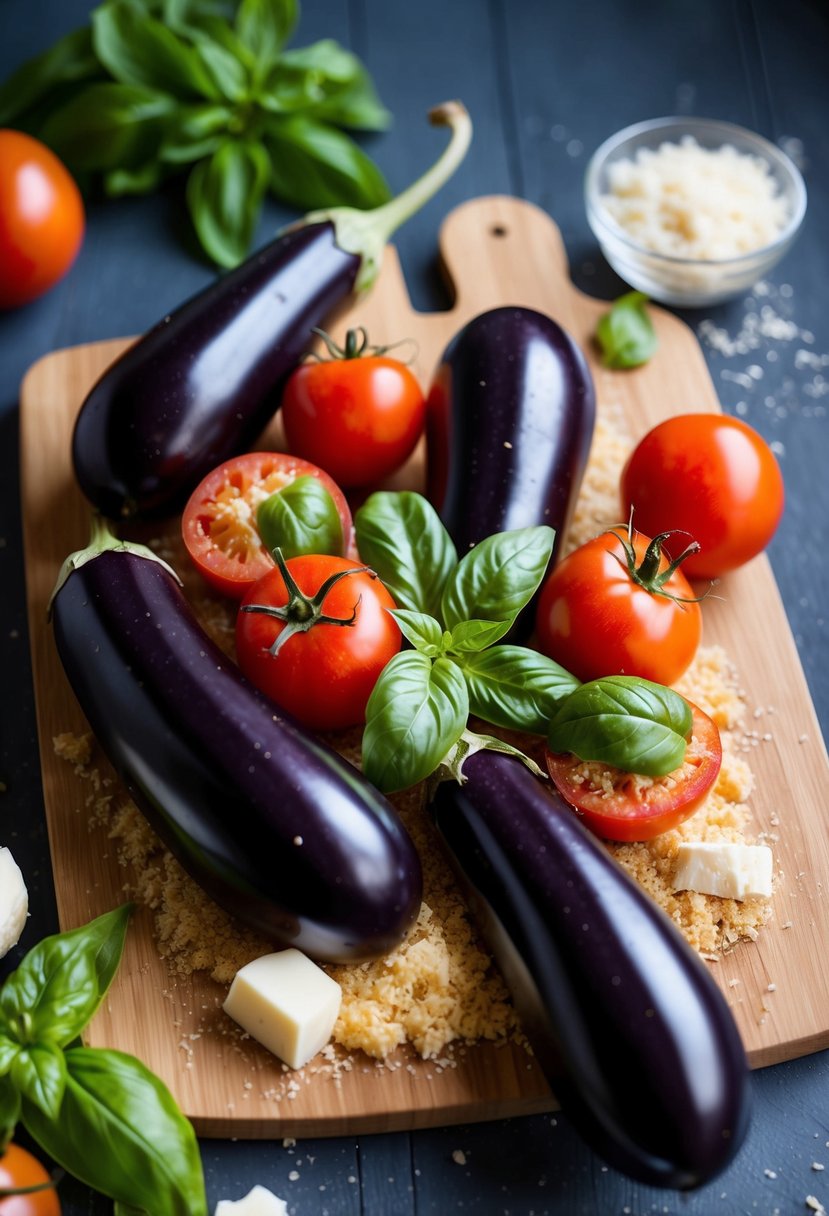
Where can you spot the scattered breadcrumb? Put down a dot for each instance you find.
(439, 987)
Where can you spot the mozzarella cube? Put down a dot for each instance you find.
(14, 902)
(732, 871)
(258, 1202)
(286, 1002)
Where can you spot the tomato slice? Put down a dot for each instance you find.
(219, 522)
(625, 806)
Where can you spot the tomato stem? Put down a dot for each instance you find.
(357, 346)
(302, 612)
(647, 574)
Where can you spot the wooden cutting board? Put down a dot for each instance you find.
(496, 251)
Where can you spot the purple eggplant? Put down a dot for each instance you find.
(280, 830)
(510, 419)
(632, 1032)
(202, 384)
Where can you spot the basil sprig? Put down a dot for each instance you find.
(451, 612)
(626, 722)
(626, 334)
(100, 1114)
(154, 86)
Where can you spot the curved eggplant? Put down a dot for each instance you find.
(273, 824)
(630, 1029)
(509, 422)
(201, 385)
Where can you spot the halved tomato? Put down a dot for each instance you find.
(219, 522)
(626, 806)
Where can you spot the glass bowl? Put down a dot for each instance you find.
(687, 281)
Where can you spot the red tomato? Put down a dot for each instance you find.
(622, 806)
(41, 219)
(323, 676)
(19, 1169)
(596, 618)
(710, 476)
(357, 416)
(219, 522)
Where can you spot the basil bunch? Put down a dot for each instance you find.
(154, 86)
(626, 334)
(451, 612)
(100, 1114)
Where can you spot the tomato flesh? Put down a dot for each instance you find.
(219, 522)
(42, 219)
(625, 807)
(19, 1169)
(713, 477)
(325, 676)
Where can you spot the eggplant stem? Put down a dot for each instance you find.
(470, 742)
(366, 233)
(102, 540)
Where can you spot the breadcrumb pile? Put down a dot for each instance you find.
(439, 986)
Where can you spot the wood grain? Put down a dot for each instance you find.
(496, 251)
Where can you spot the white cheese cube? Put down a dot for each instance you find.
(733, 871)
(258, 1202)
(286, 1002)
(14, 902)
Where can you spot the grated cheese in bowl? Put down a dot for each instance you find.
(692, 211)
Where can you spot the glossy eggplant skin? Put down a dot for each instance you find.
(510, 419)
(631, 1031)
(272, 823)
(202, 384)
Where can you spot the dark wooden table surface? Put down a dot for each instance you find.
(546, 81)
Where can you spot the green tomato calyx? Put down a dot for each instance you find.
(302, 612)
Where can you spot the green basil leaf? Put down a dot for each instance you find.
(127, 1209)
(143, 180)
(108, 126)
(626, 334)
(9, 1109)
(230, 76)
(497, 578)
(63, 979)
(417, 711)
(515, 687)
(329, 80)
(315, 165)
(625, 722)
(469, 636)
(399, 534)
(39, 1074)
(423, 631)
(139, 50)
(70, 60)
(301, 518)
(193, 132)
(121, 1133)
(224, 195)
(9, 1050)
(264, 26)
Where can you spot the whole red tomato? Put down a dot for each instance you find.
(41, 219)
(609, 609)
(713, 477)
(621, 806)
(324, 672)
(18, 1170)
(218, 525)
(358, 415)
